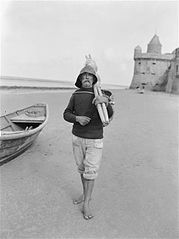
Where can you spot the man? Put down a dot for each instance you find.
(87, 133)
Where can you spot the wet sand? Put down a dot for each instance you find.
(135, 195)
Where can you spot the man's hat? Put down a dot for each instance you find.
(86, 69)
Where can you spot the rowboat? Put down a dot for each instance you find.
(19, 129)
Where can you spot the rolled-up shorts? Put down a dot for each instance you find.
(88, 155)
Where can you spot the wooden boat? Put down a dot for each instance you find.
(19, 129)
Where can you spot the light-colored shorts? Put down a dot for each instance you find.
(87, 154)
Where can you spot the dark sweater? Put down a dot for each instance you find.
(80, 104)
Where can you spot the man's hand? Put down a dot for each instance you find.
(83, 120)
(100, 99)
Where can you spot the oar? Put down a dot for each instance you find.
(101, 107)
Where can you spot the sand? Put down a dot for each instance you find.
(135, 195)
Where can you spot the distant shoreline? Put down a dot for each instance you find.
(49, 88)
(34, 88)
(14, 82)
(14, 78)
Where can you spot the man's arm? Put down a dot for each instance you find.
(104, 99)
(70, 116)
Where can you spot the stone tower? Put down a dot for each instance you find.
(154, 70)
(154, 46)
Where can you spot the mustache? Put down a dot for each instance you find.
(86, 80)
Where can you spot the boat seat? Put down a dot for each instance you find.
(9, 125)
(26, 119)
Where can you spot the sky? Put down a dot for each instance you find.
(49, 39)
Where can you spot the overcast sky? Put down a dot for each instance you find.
(49, 39)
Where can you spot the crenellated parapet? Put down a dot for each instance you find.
(153, 56)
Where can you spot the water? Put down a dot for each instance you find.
(19, 82)
(31, 82)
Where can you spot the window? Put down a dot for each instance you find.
(176, 68)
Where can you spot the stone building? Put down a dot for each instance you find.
(154, 70)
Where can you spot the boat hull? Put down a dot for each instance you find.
(10, 149)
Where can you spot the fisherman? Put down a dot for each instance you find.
(87, 133)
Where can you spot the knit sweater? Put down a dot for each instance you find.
(80, 104)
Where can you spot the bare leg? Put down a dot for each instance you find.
(89, 185)
(81, 198)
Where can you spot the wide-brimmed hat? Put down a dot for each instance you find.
(86, 69)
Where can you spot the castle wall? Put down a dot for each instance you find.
(149, 70)
(173, 75)
(175, 86)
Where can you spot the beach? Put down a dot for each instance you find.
(136, 192)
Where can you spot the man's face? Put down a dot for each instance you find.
(87, 80)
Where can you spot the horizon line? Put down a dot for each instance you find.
(48, 80)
